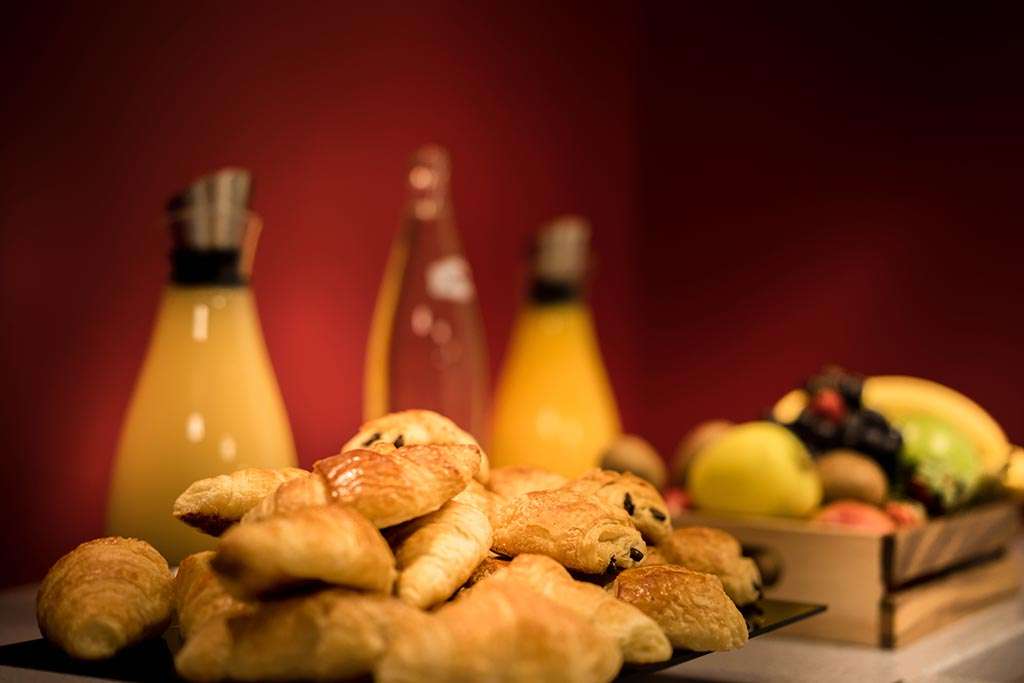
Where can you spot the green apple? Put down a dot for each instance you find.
(942, 463)
(756, 468)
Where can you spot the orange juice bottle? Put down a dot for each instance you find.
(206, 401)
(554, 406)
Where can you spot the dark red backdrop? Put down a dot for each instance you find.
(769, 192)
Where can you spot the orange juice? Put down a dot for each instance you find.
(206, 402)
(554, 406)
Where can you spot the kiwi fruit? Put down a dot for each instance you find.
(847, 474)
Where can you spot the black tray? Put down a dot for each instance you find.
(154, 661)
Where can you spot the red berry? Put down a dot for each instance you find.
(829, 404)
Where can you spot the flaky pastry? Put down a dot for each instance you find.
(500, 632)
(435, 554)
(581, 532)
(214, 504)
(327, 636)
(641, 501)
(386, 488)
(639, 638)
(515, 480)
(691, 607)
(714, 551)
(199, 595)
(415, 428)
(331, 544)
(105, 595)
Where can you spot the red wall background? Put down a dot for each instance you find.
(769, 192)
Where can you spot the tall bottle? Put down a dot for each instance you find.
(206, 401)
(426, 347)
(554, 405)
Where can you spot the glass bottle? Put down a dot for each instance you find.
(206, 401)
(554, 406)
(426, 347)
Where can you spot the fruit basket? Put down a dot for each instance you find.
(883, 589)
(886, 497)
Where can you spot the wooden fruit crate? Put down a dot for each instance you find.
(884, 589)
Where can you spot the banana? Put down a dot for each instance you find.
(897, 397)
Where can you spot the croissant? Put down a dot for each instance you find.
(483, 500)
(515, 480)
(415, 428)
(581, 532)
(212, 505)
(645, 506)
(640, 639)
(105, 595)
(714, 551)
(385, 487)
(437, 553)
(489, 566)
(653, 557)
(501, 632)
(199, 595)
(330, 544)
(690, 607)
(327, 636)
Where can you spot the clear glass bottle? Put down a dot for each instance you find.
(554, 406)
(206, 401)
(426, 347)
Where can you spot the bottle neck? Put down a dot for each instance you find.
(213, 267)
(544, 292)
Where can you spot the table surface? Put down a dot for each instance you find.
(985, 646)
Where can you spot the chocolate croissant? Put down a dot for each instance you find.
(199, 596)
(435, 554)
(581, 532)
(385, 487)
(714, 551)
(105, 595)
(639, 638)
(329, 544)
(645, 506)
(415, 428)
(327, 636)
(690, 607)
(497, 632)
(214, 504)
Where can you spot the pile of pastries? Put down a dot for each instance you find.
(406, 558)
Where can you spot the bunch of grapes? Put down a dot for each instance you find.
(835, 418)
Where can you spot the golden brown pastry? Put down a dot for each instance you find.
(331, 544)
(199, 595)
(415, 428)
(500, 632)
(515, 480)
(581, 532)
(435, 554)
(483, 500)
(105, 595)
(713, 551)
(645, 506)
(653, 557)
(489, 566)
(691, 608)
(639, 638)
(386, 488)
(212, 505)
(328, 636)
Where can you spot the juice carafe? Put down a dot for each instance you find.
(206, 401)
(426, 346)
(554, 406)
